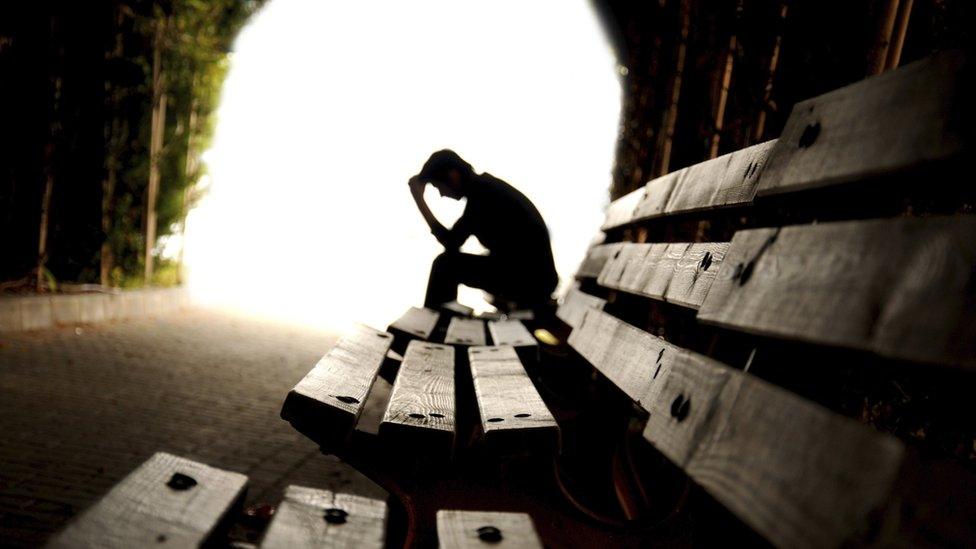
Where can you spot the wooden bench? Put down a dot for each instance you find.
(171, 501)
(774, 346)
(734, 320)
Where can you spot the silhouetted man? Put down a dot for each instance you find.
(519, 267)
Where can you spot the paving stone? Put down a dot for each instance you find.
(82, 408)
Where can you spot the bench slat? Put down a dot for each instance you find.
(330, 398)
(166, 501)
(596, 256)
(508, 402)
(884, 124)
(465, 331)
(416, 322)
(728, 180)
(575, 304)
(621, 211)
(899, 287)
(308, 517)
(678, 273)
(797, 473)
(461, 530)
(510, 332)
(422, 400)
(634, 360)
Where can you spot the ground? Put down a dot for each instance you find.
(82, 406)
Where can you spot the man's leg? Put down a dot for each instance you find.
(452, 268)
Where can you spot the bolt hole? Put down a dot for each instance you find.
(181, 482)
(347, 399)
(680, 407)
(489, 534)
(809, 135)
(494, 349)
(523, 415)
(416, 416)
(495, 419)
(161, 538)
(706, 261)
(435, 414)
(335, 516)
(384, 336)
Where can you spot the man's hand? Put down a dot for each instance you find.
(416, 186)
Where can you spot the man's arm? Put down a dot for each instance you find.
(448, 238)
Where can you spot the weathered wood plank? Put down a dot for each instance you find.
(729, 180)
(510, 332)
(634, 360)
(899, 119)
(657, 192)
(797, 473)
(168, 500)
(575, 303)
(416, 322)
(478, 529)
(465, 331)
(328, 401)
(901, 287)
(595, 259)
(678, 273)
(308, 517)
(621, 211)
(422, 401)
(512, 412)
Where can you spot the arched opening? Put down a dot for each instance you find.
(330, 107)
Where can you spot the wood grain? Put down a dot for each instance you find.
(657, 192)
(901, 287)
(510, 332)
(574, 304)
(729, 180)
(797, 473)
(465, 331)
(899, 119)
(621, 211)
(422, 400)
(679, 273)
(507, 399)
(417, 322)
(634, 360)
(459, 530)
(299, 521)
(143, 510)
(595, 259)
(328, 401)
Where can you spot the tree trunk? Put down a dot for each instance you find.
(879, 51)
(54, 134)
(157, 129)
(114, 138)
(898, 40)
(671, 115)
(767, 100)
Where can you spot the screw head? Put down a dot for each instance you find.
(335, 516)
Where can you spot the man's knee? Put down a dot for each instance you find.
(445, 260)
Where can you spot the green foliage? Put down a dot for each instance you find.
(196, 37)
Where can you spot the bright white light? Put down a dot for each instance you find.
(330, 107)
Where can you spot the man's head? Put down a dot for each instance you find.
(448, 173)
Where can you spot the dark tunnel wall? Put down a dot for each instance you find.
(818, 45)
